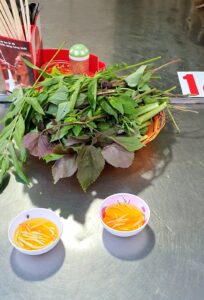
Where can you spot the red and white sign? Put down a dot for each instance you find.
(192, 83)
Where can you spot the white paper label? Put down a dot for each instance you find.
(192, 83)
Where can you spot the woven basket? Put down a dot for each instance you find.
(155, 127)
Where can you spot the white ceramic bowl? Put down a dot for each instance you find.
(132, 199)
(31, 214)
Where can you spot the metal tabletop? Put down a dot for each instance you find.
(165, 261)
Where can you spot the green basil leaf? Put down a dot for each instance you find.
(4, 143)
(131, 143)
(76, 87)
(18, 136)
(20, 128)
(17, 164)
(4, 166)
(52, 110)
(76, 130)
(49, 82)
(18, 93)
(143, 87)
(128, 104)
(41, 98)
(115, 103)
(102, 126)
(6, 131)
(90, 164)
(34, 67)
(59, 96)
(35, 105)
(108, 109)
(60, 133)
(133, 79)
(92, 93)
(63, 110)
(81, 99)
(52, 157)
(10, 114)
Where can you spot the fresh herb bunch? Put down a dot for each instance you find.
(78, 122)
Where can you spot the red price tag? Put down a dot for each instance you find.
(192, 83)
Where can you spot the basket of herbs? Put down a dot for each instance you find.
(77, 123)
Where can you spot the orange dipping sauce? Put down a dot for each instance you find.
(123, 216)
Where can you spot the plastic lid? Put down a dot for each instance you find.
(79, 51)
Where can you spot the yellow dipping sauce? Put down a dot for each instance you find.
(35, 234)
(123, 216)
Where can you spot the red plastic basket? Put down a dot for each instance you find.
(95, 64)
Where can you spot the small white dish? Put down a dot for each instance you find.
(31, 214)
(132, 199)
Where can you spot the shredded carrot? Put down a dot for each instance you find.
(35, 234)
(123, 216)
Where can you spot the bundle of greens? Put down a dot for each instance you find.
(78, 122)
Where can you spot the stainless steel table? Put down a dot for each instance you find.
(166, 261)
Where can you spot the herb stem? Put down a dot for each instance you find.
(182, 108)
(175, 61)
(144, 94)
(173, 120)
(147, 116)
(140, 63)
(170, 90)
(108, 92)
(74, 123)
(49, 62)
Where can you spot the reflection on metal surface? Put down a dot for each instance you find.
(195, 20)
(157, 29)
(187, 100)
(82, 237)
(131, 248)
(39, 267)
